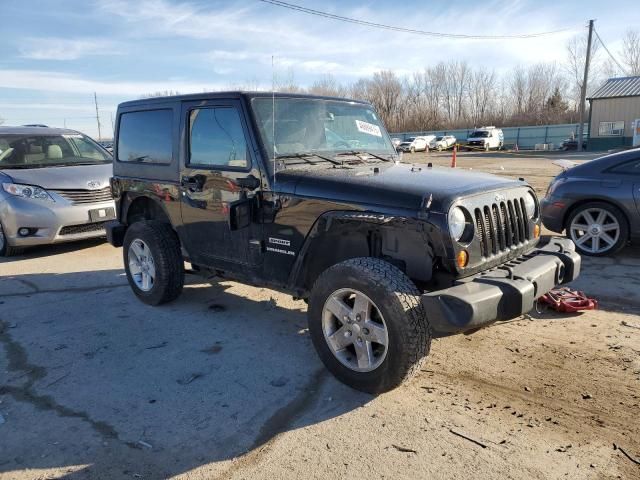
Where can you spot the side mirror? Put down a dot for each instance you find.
(241, 213)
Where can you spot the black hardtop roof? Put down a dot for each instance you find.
(230, 94)
(7, 130)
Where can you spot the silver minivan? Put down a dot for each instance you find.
(54, 187)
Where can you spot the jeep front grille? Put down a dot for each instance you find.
(501, 226)
(86, 196)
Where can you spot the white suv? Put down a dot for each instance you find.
(415, 144)
(442, 142)
(486, 138)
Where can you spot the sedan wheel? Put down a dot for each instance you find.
(355, 330)
(597, 229)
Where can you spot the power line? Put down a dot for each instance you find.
(607, 50)
(357, 21)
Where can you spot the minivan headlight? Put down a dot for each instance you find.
(26, 191)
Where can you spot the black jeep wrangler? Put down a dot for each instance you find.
(307, 195)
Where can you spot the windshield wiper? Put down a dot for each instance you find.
(305, 156)
(362, 152)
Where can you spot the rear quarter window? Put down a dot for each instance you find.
(146, 137)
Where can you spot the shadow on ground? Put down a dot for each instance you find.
(91, 377)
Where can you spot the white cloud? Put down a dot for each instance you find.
(69, 83)
(52, 48)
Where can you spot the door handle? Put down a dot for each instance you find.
(250, 182)
(193, 184)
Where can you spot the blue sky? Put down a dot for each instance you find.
(55, 54)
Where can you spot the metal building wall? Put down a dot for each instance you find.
(626, 109)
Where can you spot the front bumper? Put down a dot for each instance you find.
(504, 292)
(552, 213)
(50, 222)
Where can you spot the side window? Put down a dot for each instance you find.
(632, 167)
(146, 136)
(216, 138)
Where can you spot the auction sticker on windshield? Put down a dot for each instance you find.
(368, 128)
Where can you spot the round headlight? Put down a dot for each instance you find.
(457, 223)
(530, 205)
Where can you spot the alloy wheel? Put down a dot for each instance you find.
(141, 265)
(595, 230)
(355, 330)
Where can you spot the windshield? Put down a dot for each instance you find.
(479, 134)
(439, 138)
(326, 127)
(41, 151)
(409, 140)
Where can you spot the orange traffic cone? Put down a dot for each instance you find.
(453, 158)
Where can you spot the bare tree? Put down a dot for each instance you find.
(576, 55)
(631, 51)
(328, 86)
(481, 94)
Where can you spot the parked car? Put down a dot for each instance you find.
(384, 253)
(597, 203)
(442, 142)
(572, 144)
(54, 187)
(414, 144)
(486, 138)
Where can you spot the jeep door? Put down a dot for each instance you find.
(218, 181)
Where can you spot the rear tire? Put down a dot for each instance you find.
(161, 258)
(395, 308)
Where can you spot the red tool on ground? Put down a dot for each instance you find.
(566, 300)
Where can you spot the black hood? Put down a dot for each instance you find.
(400, 186)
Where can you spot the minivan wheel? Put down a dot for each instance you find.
(6, 250)
(153, 262)
(597, 229)
(368, 325)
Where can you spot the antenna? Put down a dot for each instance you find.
(95, 99)
(273, 118)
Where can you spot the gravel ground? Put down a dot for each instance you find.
(224, 383)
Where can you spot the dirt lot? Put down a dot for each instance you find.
(224, 383)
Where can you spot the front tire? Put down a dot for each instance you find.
(412, 149)
(153, 262)
(368, 325)
(6, 250)
(597, 229)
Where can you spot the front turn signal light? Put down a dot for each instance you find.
(536, 231)
(462, 259)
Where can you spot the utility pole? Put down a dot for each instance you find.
(583, 90)
(95, 99)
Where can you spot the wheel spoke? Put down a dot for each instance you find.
(610, 226)
(583, 238)
(338, 308)
(595, 244)
(377, 333)
(137, 250)
(601, 217)
(588, 217)
(151, 268)
(607, 239)
(146, 281)
(364, 353)
(134, 267)
(580, 226)
(361, 306)
(340, 339)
